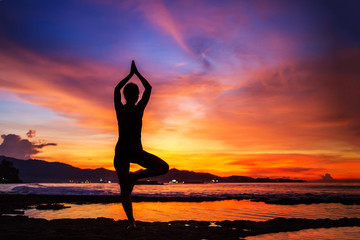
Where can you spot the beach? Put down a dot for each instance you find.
(181, 211)
(104, 228)
(14, 225)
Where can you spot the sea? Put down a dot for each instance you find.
(224, 207)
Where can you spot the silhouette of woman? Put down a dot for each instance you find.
(129, 148)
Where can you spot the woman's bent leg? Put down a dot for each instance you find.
(154, 166)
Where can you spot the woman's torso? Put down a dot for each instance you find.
(129, 123)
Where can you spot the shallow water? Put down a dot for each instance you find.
(339, 233)
(202, 211)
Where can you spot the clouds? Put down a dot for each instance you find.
(229, 78)
(159, 15)
(306, 166)
(72, 89)
(327, 178)
(31, 133)
(14, 146)
(299, 105)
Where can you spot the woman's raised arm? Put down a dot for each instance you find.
(146, 95)
(119, 86)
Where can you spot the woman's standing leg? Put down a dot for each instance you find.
(126, 185)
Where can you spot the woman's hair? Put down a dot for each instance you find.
(131, 92)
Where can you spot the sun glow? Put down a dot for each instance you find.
(238, 88)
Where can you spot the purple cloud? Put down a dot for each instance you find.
(31, 133)
(14, 146)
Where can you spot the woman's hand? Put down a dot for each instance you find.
(133, 67)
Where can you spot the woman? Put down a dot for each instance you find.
(128, 148)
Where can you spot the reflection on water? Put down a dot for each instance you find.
(202, 211)
(339, 233)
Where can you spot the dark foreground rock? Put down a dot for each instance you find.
(21, 227)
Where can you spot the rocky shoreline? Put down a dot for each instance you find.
(15, 226)
(21, 227)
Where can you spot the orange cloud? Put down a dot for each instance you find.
(287, 164)
(310, 106)
(77, 90)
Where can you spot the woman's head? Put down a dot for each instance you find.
(131, 93)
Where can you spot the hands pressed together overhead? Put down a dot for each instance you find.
(133, 69)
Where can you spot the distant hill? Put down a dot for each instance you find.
(56, 172)
(184, 176)
(42, 171)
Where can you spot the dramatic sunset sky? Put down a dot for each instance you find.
(254, 88)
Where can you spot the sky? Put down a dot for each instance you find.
(252, 88)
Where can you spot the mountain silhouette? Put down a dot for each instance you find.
(56, 172)
(40, 171)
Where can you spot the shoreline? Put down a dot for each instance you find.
(106, 228)
(19, 226)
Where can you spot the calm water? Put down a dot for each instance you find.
(221, 190)
(202, 211)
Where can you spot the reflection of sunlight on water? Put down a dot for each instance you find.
(202, 211)
(339, 233)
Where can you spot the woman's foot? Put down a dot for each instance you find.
(132, 225)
